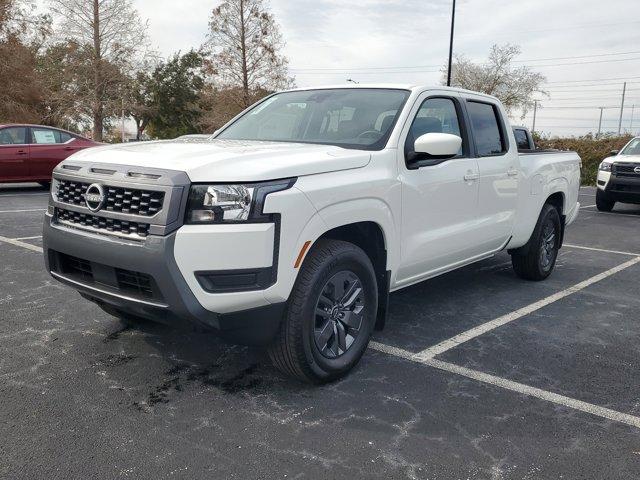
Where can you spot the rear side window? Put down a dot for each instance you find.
(13, 136)
(521, 139)
(487, 129)
(48, 136)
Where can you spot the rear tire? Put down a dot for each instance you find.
(542, 249)
(604, 203)
(330, 314)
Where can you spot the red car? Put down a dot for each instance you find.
(28, 153)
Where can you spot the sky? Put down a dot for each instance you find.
(585, 48)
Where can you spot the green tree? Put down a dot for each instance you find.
(170, 97)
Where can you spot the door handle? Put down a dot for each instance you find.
(21, 152)
(512, 172)
(470, 177)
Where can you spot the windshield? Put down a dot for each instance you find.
(349, 117)
(633, 148)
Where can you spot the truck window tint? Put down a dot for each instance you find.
(521, 139)
(351, 118)
(13, 136)
(633, 148)
(47, 136)
(436, 115)
(486, 128)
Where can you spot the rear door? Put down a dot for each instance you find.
(14, 153)
(48, 148)
(499, 166)
(439, 196)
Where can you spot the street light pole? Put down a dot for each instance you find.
(453, 21)
(535, 111)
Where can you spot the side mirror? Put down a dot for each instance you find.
(613, 153)
(441, 145)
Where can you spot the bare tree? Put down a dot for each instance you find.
(245, 44)
(113, 36)
(514, 86)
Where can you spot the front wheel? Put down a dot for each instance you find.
(330, 315)
(603, 201)
(542, 252)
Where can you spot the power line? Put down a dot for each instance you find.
(579, 56)
(593, 80)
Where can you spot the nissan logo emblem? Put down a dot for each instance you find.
(94, 197)
(637, 170)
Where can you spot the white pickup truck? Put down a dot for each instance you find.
(619, 177)
(291, 225)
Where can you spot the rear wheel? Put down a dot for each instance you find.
(330, 315)
(604, 203)
(542, 252)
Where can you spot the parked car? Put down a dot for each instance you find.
(28, 153)
(619, 177)
(294, 223)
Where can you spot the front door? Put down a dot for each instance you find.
(14, 154)
(49, 147)
(439, 196)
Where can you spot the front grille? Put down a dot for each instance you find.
(119, 199)
(135, 282)
(110, 225)
(76, 266)
(625, 170)
(625, 188)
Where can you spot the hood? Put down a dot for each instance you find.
(626, 158)
(227, 160)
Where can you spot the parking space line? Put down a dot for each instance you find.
(22, 211)
(18, 243)
(618, 214)
(22, 194)
(600, 250)
(589, 206)
(28, 238)
(511, 385)
(463, 337)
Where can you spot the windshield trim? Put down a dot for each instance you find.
(377, 146)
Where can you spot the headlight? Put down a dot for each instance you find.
(605, 167)
(231, 203)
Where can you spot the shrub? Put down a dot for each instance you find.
(591, 150)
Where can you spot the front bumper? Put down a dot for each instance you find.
(620, 187)
(143, 279)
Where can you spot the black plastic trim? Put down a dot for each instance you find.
(240, 280)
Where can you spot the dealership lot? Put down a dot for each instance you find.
(477, 375)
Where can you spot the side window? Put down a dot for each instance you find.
(43, 136)
(13, 136)
(436, 115)
(487, 132)
(521, 138)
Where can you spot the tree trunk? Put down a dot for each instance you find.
(98, 112)
(243, 45)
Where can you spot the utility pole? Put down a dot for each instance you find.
(535, 111)
(633, 107)
(453, 21)
(600, 123)
(122, 120)
(624, 91)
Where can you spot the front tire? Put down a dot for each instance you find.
(604, 203)
(330, 314)
(542, 249)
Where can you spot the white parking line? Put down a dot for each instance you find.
(22, 211)
(28, 238)
(511, 385)
(587, 194)
(589, 206)
(18, 243)
(600, 250)
(22, 194)
(463, 337)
